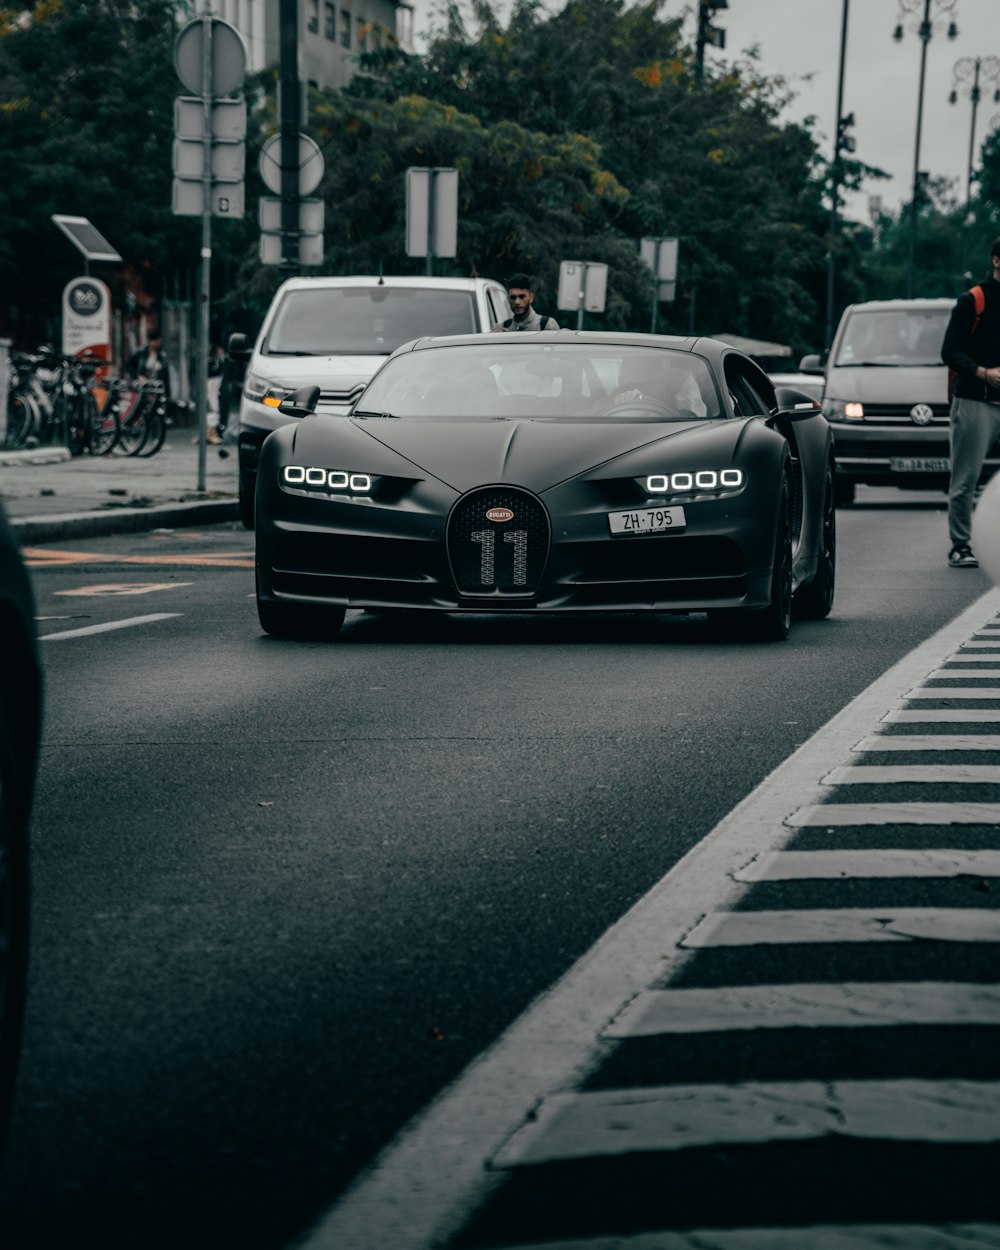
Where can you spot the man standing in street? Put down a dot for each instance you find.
(522, 299)
(972, 349)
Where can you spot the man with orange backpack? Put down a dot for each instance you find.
(971, 349)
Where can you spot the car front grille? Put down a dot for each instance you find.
(499, 555)
(899, 414)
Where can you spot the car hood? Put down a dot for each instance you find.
(907, 384)
(536, 454)
(329, 373)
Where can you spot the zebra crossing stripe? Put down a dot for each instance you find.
(978, 644)
(941, 674)
(812, 1006)
(614, 1122)
(858, 864)
(879, 774)
(844, 924)
(830, 814)
(814, 1236)
(929, 742)
(942, 715)
(954, 692)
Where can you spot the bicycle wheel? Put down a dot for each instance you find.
(77, 424)
(156, 430)
(20, 420)
(133, 427)
(104, 430)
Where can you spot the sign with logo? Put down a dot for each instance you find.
(86, 320)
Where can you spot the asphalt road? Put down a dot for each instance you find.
(284, 892)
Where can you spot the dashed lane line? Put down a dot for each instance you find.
(824, 1005)
(835, 865)
(131, 621)
(613, 1122)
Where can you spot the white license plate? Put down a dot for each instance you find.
(646, 520)
(920, 464)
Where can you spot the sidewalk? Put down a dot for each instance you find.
(49, 495)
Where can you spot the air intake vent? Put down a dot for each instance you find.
(498, 542)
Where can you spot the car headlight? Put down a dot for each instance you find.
(843, 410)
(314, 477)
(261, 391)
(696, 481)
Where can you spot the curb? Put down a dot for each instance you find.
(34, 455)
(123, 520)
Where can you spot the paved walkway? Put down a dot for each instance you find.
(49, 495)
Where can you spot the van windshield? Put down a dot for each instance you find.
(365, 321)
(893, 337)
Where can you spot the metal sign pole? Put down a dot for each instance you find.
(201, 351)
(431, 196)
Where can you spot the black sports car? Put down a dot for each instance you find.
(551, 472)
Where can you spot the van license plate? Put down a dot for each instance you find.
(920, 464)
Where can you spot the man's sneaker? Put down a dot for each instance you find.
(961, 557)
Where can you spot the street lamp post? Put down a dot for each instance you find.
(842, 143)
(976, 68)
(907, 8)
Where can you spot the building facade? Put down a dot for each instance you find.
(332, 33)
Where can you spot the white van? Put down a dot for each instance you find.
(334, 332)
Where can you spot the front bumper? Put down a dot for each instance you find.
(897, 455)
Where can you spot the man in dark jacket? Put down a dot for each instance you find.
(522, 299)
(972, 348)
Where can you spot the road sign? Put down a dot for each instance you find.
(661, 256)
(227, 160)
(583, 284)
(227, 198)
(229, 57)
(310, 165)
(312, 215)
(310, 249)
(229, 118)
(431, 212)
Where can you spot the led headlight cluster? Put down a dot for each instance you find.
(313, 477)
(691, 483)
(840, 410)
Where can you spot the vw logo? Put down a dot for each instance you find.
(922, 414)
(499, 515)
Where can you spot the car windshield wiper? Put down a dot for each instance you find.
(360, 412)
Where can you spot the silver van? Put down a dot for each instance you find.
(886, 396)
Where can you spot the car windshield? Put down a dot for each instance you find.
(365, 320)
(893, 337)
(505, 377)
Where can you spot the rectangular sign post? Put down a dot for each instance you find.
(660, 254)
(583, 284)
(431, 213)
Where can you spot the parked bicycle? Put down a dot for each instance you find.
(143, 420)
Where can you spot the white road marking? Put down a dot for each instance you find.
(836, 865)
(813, 1237)
(941, 674)
(881, 774)
(677, 1117)
(942, 715)
(110, 625)
(121, 588)
(959, 658)
(422, 1186)
(897, 814)
(844, 924)
(975, 644)
(954, 692)
(821, 1006)
(929, 742)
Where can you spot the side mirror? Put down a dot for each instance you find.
(239, 347)
(812, 363)
(795, 405)
(301, 403)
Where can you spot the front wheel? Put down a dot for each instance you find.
(773, 622)
(285, 620)
(247, 487)
(815, 600)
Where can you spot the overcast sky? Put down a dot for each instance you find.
(800, 39)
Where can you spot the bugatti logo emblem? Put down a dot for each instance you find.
(922, 414)
(499, 514)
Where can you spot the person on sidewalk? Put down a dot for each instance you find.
(149, 363)
(971, 349)
(522, 299)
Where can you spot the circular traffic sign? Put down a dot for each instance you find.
(229, 57)
(310, 165)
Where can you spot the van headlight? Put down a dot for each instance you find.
(261, 391)
(843, 410)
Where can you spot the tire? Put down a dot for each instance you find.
(247, 488)
(771, 623)
(77, 424)
(133, 432)
(13, 924)
(843, 492)
(156, 432)
(20, 421)
(284, 621)
(815, 599)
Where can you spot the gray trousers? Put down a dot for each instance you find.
(974, 426)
